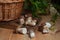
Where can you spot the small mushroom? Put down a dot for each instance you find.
(22, 20)
(45, 31)
(22, 30)
(46, 27)
(17, 29)
(48, 24)
(28, 21)
(32, 34)
(33, 23)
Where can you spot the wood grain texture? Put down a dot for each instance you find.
(6, 32)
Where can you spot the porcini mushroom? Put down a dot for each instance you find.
(32, 34)
(46, 27)
(33, 23)
(28, 21)
(22, 20)
(22, 30)
(48, 24)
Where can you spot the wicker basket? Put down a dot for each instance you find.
(10, 9)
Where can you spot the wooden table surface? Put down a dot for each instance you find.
(6, 32)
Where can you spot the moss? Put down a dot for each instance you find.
(53, 28)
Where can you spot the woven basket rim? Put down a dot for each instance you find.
(11, 1)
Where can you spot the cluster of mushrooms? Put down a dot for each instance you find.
(27, 21)
(46, 27)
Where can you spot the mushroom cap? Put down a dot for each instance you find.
(29, 18)
(22, 30)
(32, 34)
(45, 31)
(48, 24)
(33, 22)
(22, 21)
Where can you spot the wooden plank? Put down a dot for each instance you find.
(4, 34)
(20, 37)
